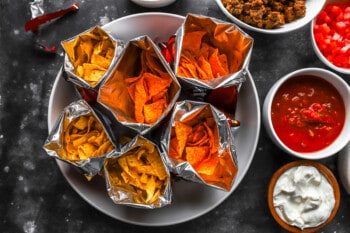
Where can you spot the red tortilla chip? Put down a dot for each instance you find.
(155, 84)
(208, 166)
(195, 155)
(192, 41)
(219, 67)
(182, 131)
(154, 110)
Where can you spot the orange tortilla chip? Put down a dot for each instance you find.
(141, 98)
(155, 84)
(182, 132)
(219, 67)
(192, 41)
(153, 65)
(154, 110)
(174, 149)
(208, 166)
(149, 91)
(195, 155)
(204, 69)
(199, 137)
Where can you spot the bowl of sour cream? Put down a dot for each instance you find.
(303, 196)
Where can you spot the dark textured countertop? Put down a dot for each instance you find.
(35, 197)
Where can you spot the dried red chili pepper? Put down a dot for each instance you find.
(168, 50)
(45, 48)
(89, 95)
(33, 24)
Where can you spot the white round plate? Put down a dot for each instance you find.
(190, 200)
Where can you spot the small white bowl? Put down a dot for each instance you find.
(318, 52)
(313, 7)
(343, 89)
(153, 3)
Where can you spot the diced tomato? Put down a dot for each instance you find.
(347, 13)
(335, 9)
(341, 26)
(323, 18)
(332, 33)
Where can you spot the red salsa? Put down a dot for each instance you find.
(307, 113)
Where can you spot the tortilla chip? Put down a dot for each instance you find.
(182, 132)
(205, 69)
(195, 155)
(218, 64)
(208, 166)
(155, 84)
(154, 110)
(192, 41)
(149, 91)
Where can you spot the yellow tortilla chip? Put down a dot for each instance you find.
(83, 138)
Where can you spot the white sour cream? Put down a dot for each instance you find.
(303, 197)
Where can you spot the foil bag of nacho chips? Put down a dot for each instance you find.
(142, 89)
(89, 58)
(211, 61)
(80, 139)
(138, 176)
(200, 145)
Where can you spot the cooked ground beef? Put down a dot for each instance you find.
(266, 14)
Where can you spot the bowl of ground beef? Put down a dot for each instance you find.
(271, 16)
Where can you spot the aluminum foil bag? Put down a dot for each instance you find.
(90, 56)
(200, 145)
(211, 61)
(142, 89)
(80, 139)
(138, 176)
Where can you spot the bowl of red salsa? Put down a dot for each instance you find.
(307, 113)
(330, 34)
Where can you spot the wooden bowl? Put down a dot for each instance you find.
(323, 170)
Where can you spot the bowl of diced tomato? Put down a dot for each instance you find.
(330, 32)
(306, 113)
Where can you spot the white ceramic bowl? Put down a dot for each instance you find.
(318, 52)
(343, 89)
(153, 3)
(313, 7)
